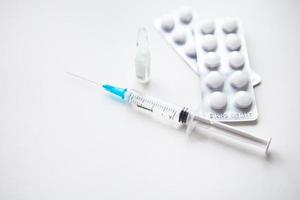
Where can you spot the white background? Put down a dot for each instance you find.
(61, 138)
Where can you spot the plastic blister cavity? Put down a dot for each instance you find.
(177, 29)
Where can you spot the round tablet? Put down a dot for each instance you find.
(209, 42)
(233, 42)
(217, 100)
(207, 26)
(186, 15)
(230, 25)
(167, 23)
(179, 37)
(190, 51)
(214, 80)
(212, 60)
(242, 99)
(236, 60)
(239, 79)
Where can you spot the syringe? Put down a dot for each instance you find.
(180, 116)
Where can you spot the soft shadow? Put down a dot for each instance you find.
(141, 86)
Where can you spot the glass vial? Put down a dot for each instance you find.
(142, 56)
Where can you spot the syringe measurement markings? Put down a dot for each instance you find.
(173, 115)
(145, 104)
(140, 106)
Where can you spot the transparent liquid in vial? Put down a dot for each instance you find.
(142, 66)
(142, 57)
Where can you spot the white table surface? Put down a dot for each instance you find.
(61, 138)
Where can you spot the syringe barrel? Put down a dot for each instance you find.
(162, 111)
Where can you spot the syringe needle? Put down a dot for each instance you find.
(112, 89)
(83, 78)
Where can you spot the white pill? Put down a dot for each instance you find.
(215, 80)
(207, 26)
(236, 60)
(233, 42)
(212, 60)
(186, 15)
(242, 99)
(217, 100)
(167, 23)
(179, 37)
(230, 25)
(239, 79)
(190, 51)
(209, 42)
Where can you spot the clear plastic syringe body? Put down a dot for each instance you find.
(181, 115)
(163, 111)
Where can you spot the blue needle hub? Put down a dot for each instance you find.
(120, 92)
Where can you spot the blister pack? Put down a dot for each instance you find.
(227, 92)
(177, 28)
